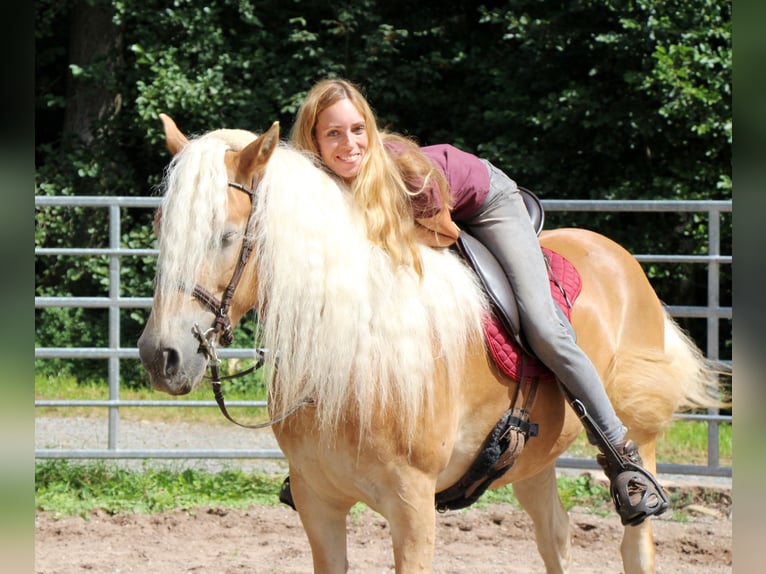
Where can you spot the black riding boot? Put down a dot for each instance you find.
(635, 492)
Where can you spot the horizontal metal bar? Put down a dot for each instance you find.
(123, 252)
(551, 204)
(146, 303)
(96, 251)
(586, 464)
(121, 353)
(668, 468)
(690, 311)
(141, 403)
(702, 417)
(94, 302)
(260, 404)
(656, 258)
(96, 201)
(158, 453)
(636, 205)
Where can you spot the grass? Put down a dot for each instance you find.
(67, 388)
(68, 488)
(684, 442)
(71, 489)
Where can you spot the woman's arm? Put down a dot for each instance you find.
(437, 231)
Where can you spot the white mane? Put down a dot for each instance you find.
(350, 331)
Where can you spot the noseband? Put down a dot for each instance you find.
(222, 330)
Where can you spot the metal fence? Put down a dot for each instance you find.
(713, 312)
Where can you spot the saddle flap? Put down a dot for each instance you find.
(497, 286)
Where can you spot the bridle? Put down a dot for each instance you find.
(222, 328)
(222, 331)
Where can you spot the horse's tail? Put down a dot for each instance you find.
(699, 379)
(647, 386)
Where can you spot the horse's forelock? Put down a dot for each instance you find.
(193, 211)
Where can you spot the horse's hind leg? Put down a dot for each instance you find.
(637, 548)
(539, 497)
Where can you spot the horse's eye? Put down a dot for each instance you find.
(228, 238)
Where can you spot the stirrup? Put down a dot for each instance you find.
(623, 467)
(632, 482)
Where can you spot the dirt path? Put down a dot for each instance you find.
(271, 540)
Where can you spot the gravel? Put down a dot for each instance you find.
(87, 433)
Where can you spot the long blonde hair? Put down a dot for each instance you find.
(378, 189)
(416, 169)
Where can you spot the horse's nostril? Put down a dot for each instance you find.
(171, 360)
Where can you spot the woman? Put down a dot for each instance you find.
(393, 179)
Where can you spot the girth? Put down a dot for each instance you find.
(498, 453)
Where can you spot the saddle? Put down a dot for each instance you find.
(502, 328)
(506, 344)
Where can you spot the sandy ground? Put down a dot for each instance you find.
(271, 540)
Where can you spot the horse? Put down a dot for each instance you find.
(380, 385)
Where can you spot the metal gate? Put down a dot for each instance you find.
(713, 312)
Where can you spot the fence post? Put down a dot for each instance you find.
(713, 322)
(114, 324)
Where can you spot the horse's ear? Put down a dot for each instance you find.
(254, 157)
(174, 139)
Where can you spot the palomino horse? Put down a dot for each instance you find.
(379, 378)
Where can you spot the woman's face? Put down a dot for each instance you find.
(341, 136)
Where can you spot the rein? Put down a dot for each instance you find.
(222, 330)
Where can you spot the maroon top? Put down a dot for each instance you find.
(467, 175)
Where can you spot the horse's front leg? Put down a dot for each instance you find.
(539, 497)
(324, 520)
(411, 515)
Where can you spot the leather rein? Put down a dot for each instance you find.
(222, 331)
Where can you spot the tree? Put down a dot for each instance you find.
(574, 99)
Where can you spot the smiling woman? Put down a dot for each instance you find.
(363, 164)
(341, 137)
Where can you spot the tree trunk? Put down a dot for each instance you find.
(94, 46)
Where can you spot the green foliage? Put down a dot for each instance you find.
(69, 488)
(574, 99)
(683, 442)
(583, 490)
